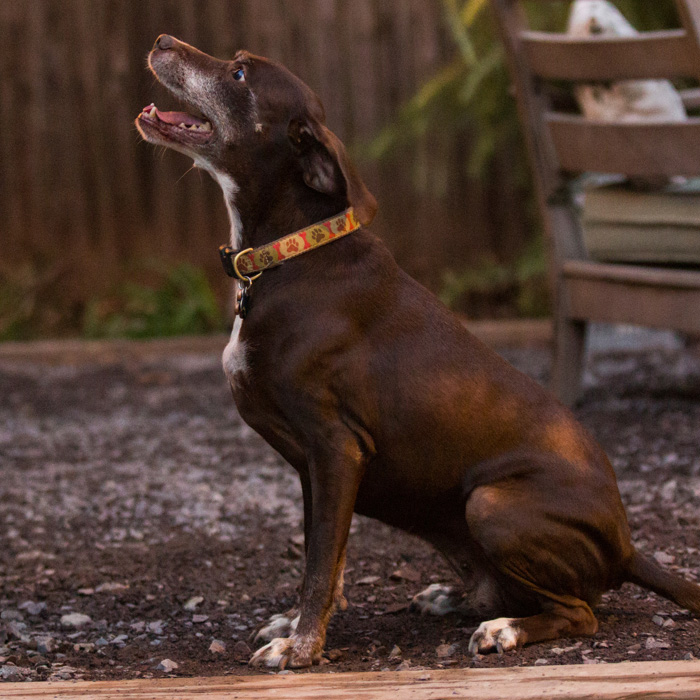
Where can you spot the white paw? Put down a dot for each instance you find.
(281, 625)
(496, 635)
(436, 599)
(273, 655)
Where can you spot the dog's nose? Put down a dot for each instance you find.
(165, 42)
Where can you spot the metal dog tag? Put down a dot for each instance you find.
(242, 302)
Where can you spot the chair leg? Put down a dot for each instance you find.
(569, 358)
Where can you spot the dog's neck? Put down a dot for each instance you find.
(255, 223)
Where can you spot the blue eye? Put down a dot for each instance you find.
(239, 74)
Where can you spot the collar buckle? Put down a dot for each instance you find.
(225, 253)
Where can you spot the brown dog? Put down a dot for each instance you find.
(379, 398)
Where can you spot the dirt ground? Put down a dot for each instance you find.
(133, 494)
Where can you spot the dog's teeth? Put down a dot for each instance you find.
(193, 127)
(182, 125)
(206, 126)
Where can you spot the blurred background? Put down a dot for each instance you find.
(102, 235)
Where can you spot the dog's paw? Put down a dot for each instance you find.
(436, 599)
(273, 655)
(496, 635)
(282, 653)
(281, 625)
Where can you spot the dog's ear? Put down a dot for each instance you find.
(322, 154)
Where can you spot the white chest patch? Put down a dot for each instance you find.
(234, 357)
(230, 190)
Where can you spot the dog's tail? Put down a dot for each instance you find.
(647, 573)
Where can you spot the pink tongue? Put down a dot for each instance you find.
(178, 118)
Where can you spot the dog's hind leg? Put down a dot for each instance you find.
(555, 545)
(506, 633)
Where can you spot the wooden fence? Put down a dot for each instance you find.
(81, 196)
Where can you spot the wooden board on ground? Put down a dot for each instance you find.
(657, 679)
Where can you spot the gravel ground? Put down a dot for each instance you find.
(147, 531)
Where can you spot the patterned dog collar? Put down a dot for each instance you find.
(246, 265)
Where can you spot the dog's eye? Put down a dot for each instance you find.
(239, 74)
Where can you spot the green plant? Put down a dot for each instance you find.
(472, 92)
(523, 283)
(179, 301)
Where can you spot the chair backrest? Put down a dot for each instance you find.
(566, 143)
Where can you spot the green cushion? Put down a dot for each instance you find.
(625, 225)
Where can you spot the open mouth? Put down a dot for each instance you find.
(178, 127)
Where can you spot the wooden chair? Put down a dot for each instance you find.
(562, 144)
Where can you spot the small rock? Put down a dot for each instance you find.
(368, 581)
(404, 666)
(31, 608)
(652, 643)
(541, 662)
(285, 672)
(669, 623)
(335, 654)
(111, 587)
(138, 626)
(406, 573)
(167, 665)
(657, 620)
(86, 591)
(664, 558)
(193, 602)
(156, 627)
(444, 651)
(199, 618)
(11, 615)
(634, 648)
(65, 673)
(45, 645)
(101, 642)
(10, 673)
(84, 646)
(120, 640)
(395, 653)
(16, 630)
(217, 647)
(689, 657)
(424, 677)
(75, 620)
(559, 651)
(668, 490)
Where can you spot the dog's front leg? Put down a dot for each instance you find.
(335, 472)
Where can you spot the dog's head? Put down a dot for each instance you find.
(255, 117)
